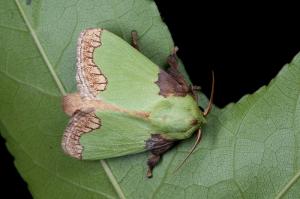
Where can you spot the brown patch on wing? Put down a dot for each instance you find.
(172, 83)
(90, 79)
(158, 145)
(81, 122)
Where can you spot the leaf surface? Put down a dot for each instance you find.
(249, 149)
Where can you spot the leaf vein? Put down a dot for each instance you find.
(26, 84)
(56, 78)
(41, 49)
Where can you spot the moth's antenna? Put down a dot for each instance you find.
(198, 138)
(205, 113)
(209, 106)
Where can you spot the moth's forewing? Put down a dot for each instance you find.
(131, 76)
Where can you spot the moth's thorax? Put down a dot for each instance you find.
(177, 114)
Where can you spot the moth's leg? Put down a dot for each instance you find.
(152, 162)
(194, 90)
(157, 145)
(172, 59)
(134, 38)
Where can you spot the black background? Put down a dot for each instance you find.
(245, 44)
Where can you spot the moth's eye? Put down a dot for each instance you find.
(194, 122)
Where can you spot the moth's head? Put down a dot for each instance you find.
(201, 119)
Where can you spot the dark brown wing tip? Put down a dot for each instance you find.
(198, 138)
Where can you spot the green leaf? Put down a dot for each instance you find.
(248, 150)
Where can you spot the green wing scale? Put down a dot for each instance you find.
(125, 103)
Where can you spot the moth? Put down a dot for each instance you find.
(125, 103)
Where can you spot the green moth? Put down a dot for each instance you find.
(125, 103)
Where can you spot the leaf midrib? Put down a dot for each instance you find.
(61, 88)
(41, 49)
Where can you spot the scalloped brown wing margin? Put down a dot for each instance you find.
(80, 123)
(90, 80)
